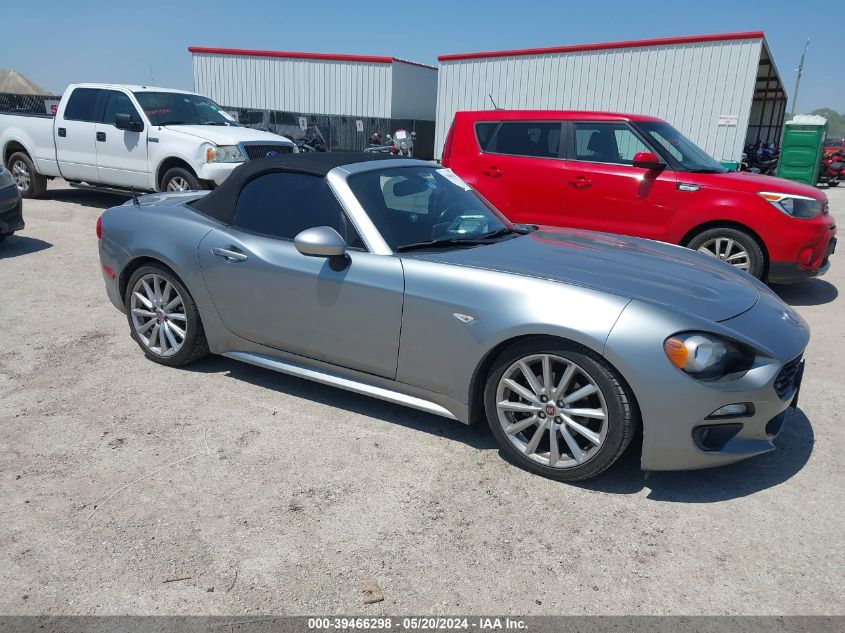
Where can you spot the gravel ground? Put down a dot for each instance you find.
(132, 488)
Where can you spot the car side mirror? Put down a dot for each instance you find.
(125, 122)
(647, 160)
(321, 241)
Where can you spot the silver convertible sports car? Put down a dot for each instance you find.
(393, 278)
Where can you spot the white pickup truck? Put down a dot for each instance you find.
(124, 137)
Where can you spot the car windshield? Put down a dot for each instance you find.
(179, 108)
(418, 208)
(676, 148)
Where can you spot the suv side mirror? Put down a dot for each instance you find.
(125, 122)
(647, 160)
(321, 241)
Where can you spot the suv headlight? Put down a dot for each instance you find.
(707, 356)
(793, 205)
(224, 154)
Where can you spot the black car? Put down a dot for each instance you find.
(11, 209)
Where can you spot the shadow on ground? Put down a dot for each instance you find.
(812, 292)
(86, 198)
(17, 245)
(794, 445)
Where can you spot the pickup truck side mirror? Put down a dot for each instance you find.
(125, 122)
(647, 160)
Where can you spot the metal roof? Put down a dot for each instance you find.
(665, 41)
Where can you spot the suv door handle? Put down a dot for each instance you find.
(231, 256)
(581, 182)
(492, 171)
(101, 136)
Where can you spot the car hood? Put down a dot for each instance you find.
(752, 183)
(634, 268)
(225, 135)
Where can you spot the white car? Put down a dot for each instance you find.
(118, 136)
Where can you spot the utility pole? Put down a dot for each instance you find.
(798, 70)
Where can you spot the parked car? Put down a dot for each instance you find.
(11, 210)
(130, 136)
(391, 277)
(639, 176)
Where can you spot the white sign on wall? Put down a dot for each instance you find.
(359, 125)
(728, 119)
(303, 123)
(51, 106)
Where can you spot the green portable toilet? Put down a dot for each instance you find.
(801, 148)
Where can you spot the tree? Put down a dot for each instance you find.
(835, 122)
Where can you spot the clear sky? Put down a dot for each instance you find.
(55, 44)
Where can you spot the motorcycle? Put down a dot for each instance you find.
(376, 146)
(761, 158)
(831, 168)
(404, 142)
(313, 141)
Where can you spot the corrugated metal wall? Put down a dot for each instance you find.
(689, 85)
(414, 91)
(295, 85)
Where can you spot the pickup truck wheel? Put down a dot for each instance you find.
(731, 246)
(180, 179)
(30, 183)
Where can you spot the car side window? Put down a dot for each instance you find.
(119, 103)
(283, 204)
(484, 132)
(607, 143)
(83, 105)
(518, 138)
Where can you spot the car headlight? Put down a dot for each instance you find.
(793, 205)
(6, 179)
(707, 356)
(224, 154)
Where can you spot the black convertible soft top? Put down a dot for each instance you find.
(220, 203)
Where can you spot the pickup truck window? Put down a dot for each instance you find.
(119, 103)
(178, 108)
(84, 104)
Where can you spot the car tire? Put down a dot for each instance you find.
(598, 442)
(725, 243)
(180, 179)
(154, 314)
(30, 183)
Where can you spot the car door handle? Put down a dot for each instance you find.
(101, 136)
(492, 171)
(62, 132)
(581, 182)
(228, 254)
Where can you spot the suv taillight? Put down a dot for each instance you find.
(446, 158)
(100, 227)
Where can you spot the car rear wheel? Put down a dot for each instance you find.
(30, 183)
(558, 410)
(731, 246)
(163, 318)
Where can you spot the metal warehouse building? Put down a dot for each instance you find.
(722, 91)
(316, 83)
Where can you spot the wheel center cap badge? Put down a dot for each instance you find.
(550, 409)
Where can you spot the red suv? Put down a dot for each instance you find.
(637, 175)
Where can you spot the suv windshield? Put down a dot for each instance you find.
(416, 208)
(678, 150)
(178, 108)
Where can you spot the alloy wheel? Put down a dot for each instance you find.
(552, 410)
(177, 183)
(728, 250)
(158, 315)
(20, 174)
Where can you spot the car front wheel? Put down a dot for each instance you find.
(732, 246)
(558, 409)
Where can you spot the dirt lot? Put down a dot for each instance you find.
(263, 493)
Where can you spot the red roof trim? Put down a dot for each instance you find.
(336, 57)
(294, 55)
(691, 39)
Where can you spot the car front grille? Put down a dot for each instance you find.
(786, 377)
(260, 151)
